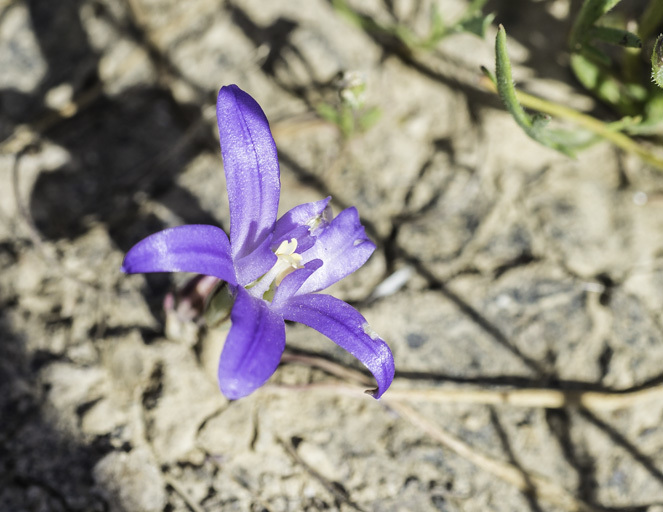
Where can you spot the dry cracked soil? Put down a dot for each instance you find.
(502, 268)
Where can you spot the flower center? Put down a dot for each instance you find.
(287, 261)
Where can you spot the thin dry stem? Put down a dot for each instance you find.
(534, 397)
(546, 398)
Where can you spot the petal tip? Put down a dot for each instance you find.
(125, 268)
(233, 392)
(229, 88)
(375, 393)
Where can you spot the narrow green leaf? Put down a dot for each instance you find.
(602, 6)
(368, 24)
(599, 80)
(402, 32)
(473, 20)
(657, 61)
(615, 36)
(574, 140)
(328, 113)
(595, 55)
(346, 121)
(437, 27)
(476, 6)
(651, 18)
(476, 25)
(540, 121)
(596, 127)
(369, 118)
(534, 127)
(636, 125)
(590, 12)
(654, 107)
(652, 124)
(505, 87)
(636, 93)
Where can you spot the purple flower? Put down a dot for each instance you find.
(273, 267)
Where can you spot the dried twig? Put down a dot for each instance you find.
(546, 398)
(534, 397)
(328, 366)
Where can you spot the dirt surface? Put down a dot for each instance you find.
(515, 268)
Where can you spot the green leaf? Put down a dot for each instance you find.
(654, 107)
(615, 36)
(328, 113)
(402, 32)
(651, 18)
(590, 12)
(476, 6)
(598, 79)
(594, 78)
(505, 86)
(476, 25)
(369, 118)
(540, 121)
(534, 127)
(474, 21)
(657, 61)
(652, 124)
(592, 53)
(575, 140)
(437, 27)
(346, 121)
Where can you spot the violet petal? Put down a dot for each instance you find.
(253, 346)
(293, 282)
(303, 223)
(193, 248)
(346, 327)
(256, 263)
(251, 165)
(343, 247)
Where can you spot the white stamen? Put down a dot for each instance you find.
(287, 261)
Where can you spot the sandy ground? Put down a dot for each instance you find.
(520, 269)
